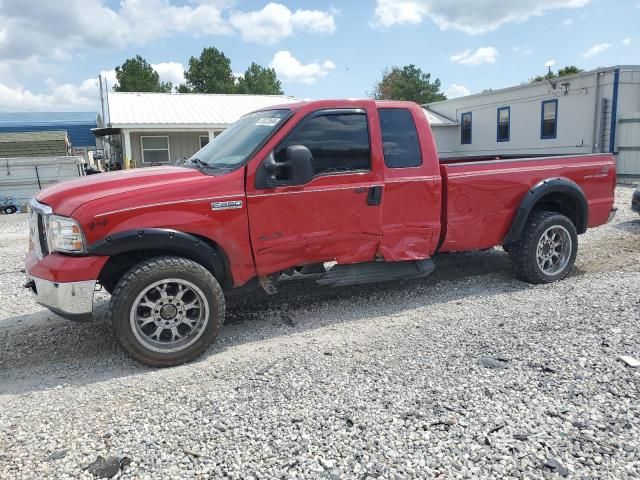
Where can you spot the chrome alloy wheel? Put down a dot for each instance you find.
(169, 315)
(554, 250)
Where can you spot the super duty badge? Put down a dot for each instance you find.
(227, 205)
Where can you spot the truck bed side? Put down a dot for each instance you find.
(482, 198)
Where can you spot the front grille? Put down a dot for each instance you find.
(37, 227)
(42, 235)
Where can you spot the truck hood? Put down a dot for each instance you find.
(65, 197)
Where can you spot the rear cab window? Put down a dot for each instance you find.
(400, 142)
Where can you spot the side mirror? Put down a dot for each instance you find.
(300, 164)
(296, 169)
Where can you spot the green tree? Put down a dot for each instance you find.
(569, 70)
(408, 83)
(563, 72)
(137, 75)
(259, 80)
(209, 73)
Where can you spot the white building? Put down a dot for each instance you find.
(591, 112)
(144, 129)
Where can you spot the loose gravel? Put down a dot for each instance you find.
(465, 374)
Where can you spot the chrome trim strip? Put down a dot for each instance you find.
(516, 170)
(315, 190)
(411, 179)
(160, 204)
(455, 162)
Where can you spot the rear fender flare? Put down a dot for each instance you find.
(540, 190)
(162, 239)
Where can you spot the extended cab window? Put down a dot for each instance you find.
(399, 138)
(339, 142)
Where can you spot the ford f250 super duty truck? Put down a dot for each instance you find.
(356, 184)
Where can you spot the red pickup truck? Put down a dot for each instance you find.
(352, 183)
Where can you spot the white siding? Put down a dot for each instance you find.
(629, 145)
(181, 144)
(584, 126)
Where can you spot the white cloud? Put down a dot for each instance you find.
(469, 16)
(567, 22)
(480, 56)
(522, 50)
(596, 50)
(276, 21)
(626, 42)
(170, 72)
(59, 97)
(455, 91)
(290, 69)
(56, 33)
(14, 97)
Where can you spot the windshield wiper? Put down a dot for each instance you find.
(202, 163)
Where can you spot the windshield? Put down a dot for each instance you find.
(233, 146)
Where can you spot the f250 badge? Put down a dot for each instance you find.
(228, 205)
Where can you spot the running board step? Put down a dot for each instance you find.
(372, 272)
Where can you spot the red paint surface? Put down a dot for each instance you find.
(469, 206)
(64, 268)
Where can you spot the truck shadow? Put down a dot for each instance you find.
(41, 351)
(632, 226)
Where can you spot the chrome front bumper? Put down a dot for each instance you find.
(72, 300)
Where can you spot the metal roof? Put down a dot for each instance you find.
(184, 110)
(32, 136)
(437, 120)
(523, 86)
(77, 124)
(33, 144)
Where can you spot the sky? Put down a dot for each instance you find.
(51, 52)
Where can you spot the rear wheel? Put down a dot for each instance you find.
(167, 311)
(10, 209)
(547, 249)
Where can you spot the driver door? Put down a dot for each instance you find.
(336, 215)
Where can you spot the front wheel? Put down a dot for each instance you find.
(166, 311)
(547, 249)
(10, 209)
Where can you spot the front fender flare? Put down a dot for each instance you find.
(163, 239)
(538, 192)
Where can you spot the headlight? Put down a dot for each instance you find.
(64, 235)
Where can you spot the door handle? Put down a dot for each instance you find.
(374, 197)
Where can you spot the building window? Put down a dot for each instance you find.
(155, 149)
(504, 124)
(465, 128)
(339, 142)
(399, 138)
(549, 120)
(204, 140)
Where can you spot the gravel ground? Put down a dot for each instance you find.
(466, 374)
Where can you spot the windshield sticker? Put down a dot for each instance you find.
(268, 121)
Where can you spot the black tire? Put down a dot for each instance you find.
(142, 277)
(524, 252)
(9, 210)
